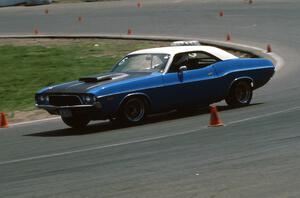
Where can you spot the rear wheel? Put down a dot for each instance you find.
(240, 94)
(75, 122)
(133, 110)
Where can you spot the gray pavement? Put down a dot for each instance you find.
(255, 155)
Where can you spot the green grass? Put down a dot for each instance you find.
(26, 68)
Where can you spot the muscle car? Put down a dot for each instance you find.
(156, 80)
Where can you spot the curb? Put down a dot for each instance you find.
(275, 58)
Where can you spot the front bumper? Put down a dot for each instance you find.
(52, 107)
(93, 112)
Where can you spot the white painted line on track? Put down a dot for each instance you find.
(141, 140)
(34, 121)
(266, 115)
(99, 147)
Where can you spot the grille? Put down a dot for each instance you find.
(64, 100)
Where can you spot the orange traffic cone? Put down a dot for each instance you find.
(221, 13)
(46, 11)
(129, 31)
(36, 31)
(228, 37)
(269, 48)
(3, 121)
(139, 4)
(80, 19)
(215, 121)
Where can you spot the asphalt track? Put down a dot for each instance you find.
(255, 155)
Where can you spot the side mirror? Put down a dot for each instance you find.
(180, 72)
(182, 69)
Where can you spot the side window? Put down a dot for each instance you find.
(199, 60)
(192, 60)
(178, 61)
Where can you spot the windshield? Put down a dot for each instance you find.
(142, 63)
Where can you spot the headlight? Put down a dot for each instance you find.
(88, 99)
(43, 98)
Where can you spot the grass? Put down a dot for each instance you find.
(27, 66)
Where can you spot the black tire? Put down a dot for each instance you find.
(133, 110)
(75, 122)
(240, 94)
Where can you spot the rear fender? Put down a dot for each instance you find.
(243, 78)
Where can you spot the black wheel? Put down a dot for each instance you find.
(133, 110)
(75, 122)
(240, 94)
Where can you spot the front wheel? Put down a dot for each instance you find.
(133, 110)
(240, 94)
(75, 122)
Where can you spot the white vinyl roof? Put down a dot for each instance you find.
(221, 54)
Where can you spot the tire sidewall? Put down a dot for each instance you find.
(233, 100)
(133, 101)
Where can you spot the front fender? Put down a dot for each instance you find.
(112, 103)
(137, 94)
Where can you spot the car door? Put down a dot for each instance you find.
(193, 86)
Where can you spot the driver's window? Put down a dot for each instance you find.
(178, 61)
(198, 60)
(192, 60)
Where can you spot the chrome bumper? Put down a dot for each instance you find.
(62, 107)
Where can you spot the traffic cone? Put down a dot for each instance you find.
(215, 121)
(129, 31)
(139, 4)
(79, 18)
(36, 31)
(228, 37)
(221, 13)
(250, 1)
(46, 11)
(3, 121)
(269, 48)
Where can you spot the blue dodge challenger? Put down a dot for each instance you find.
(156, 80)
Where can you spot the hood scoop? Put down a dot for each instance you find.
(93, 79)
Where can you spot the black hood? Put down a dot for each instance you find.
(84, 84)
